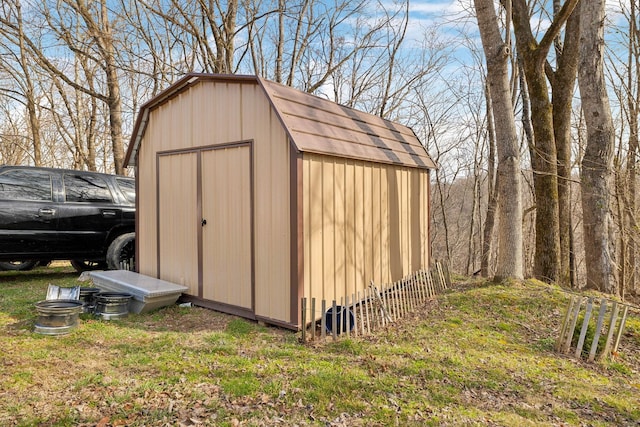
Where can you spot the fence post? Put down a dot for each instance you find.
(355, 314)
(596, 335)
(304, 319)
(565, 322)
(384, 303)
(585, 327)
(573, 321)
(366, 310)
(430, 289)
(361, 313)
(334, 320)
(396, 301)
(441, 275)
(313, 319)
(323, 321)
(344, 320)
(423, 297)
(432, 279)
(393, 311)
(412, 290)
(620, 329)
(435, 279)
(447, 275)
(612, 324)
(405, 305)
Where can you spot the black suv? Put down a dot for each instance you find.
(60, 214)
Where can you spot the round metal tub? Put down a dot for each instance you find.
(57, 317)
(88, 298)
(112, 305)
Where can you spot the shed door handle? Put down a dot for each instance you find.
(204, 222)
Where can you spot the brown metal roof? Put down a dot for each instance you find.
(318, 125)
(314, 125)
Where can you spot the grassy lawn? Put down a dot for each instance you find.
(482, 354)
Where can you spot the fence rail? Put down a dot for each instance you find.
(363, 312)
(599, 336)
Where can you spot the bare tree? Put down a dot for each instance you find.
(497, 53)
(623, 66)
(17, 65)
(563, 82)
(97, 22)
(490, 219)
(544, 158)
(14, 146)
(198, 23)
(99, 47)
(598, 156)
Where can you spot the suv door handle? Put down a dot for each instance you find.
(108, 213)
(46, 212)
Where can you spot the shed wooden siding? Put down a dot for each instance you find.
(363, 221)
(193, 119)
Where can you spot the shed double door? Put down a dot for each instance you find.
(205, 227)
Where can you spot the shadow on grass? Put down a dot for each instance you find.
(38, 274)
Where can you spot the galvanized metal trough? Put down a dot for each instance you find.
(112, 305)
(57, 316)
(148, 293)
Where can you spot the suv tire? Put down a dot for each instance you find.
(122, 248)
(81, 265)
(18, 265)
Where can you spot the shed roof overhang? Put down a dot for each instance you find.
(314, 125)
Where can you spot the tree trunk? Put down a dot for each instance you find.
(30, 101)
(544, 158)
(497, 52)
(280, 43)
(632, 153)
(545, 173)
(492, 203)
(623, 238)
(470, 264)
(598, 157)
(563, 83)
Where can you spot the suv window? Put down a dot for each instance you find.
(86, 188)
(128, 187)
(25, 185)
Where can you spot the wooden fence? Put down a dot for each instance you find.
(362, 313)
(599, 336)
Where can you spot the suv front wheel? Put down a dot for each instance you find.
(121, 252)
(81, 265)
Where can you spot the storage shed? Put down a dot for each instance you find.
(253, 194)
